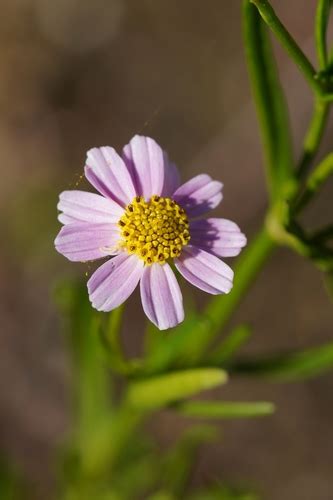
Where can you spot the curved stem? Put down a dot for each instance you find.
(221, 307)
(283, 35)
(321, 22)
(313, 135)
(269, 99)
(315, 181)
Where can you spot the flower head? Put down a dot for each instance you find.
(145, 220)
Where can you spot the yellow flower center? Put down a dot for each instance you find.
(154, 230)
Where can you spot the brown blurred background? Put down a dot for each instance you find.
(78, 73)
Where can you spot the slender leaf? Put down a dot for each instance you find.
(91, 391)
(322, 18)
(291, 366)
(156, 392)
(269, 99)
(225, 409)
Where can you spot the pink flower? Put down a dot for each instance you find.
(146, 220)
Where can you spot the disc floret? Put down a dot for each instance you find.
(155, 230)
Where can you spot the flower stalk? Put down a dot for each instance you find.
(287, 41)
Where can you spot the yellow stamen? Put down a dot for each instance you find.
(154, 230)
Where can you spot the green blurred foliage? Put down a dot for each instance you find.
(12, 486)
(108, 455)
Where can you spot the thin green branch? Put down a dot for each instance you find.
(313, 136)
(320, 31)
(290, 366)
(290, 45)
(220, 308)
(322, 17)
(322, 172)
(294, 237)
(271, 106)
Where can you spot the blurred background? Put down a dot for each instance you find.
(77, 74)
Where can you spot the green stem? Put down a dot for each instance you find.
(321, 22)
(221, 307)
(283, 35)
(270, 102)
(313, 135)
(321, 173)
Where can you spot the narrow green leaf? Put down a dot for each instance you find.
(269, 99)
(291, 366)
(153, 393)
(322, 18)
(91, 382)
(229, 346)
(225, 409)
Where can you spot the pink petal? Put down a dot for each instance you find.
(145, 160)
(67, 219)
(171, 177)
(107, 172)
(199, 195)
(204, 270)
(82, 241)
(114, 281)
(161, 296)
(81, 206)
(220, 237)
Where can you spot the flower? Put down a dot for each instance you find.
(145, 220)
